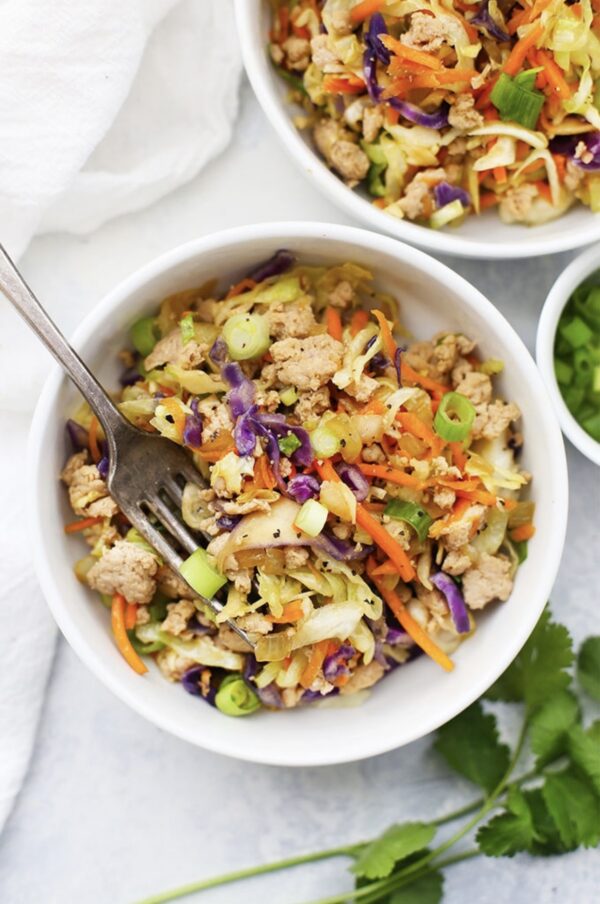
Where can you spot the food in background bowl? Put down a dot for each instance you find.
(442, 110)
(577, 355)
(361, 499)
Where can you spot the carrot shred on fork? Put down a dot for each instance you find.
(120, 634)
(363, 10)
(93, 440)
(407, 621)
(375, 530)
(334, 323)
(76, 526)
(317, 658)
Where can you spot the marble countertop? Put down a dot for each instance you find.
(113, 809)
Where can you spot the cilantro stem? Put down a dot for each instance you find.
(183, 890)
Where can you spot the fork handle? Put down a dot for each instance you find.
(22, 298)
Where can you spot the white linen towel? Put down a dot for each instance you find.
(105, 106)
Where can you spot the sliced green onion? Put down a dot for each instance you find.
(235, 698)
(144, 335)
(576, 332)
(454, 417)
(158, 607)
(288, 396)
(201, 575)
(412, 513)
(596, 380)
(446, 214)
(186, 325)
(492, 366)
(591, 425)
(311, 518)
(144, 648)
(573, 396)
(516, 101)
(563, 371)
(375, 183)
(324, 442)
(520, 547)
(288, 444)
(247, 336)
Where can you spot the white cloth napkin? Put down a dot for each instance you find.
(105, 107)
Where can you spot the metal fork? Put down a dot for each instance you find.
(146, 471)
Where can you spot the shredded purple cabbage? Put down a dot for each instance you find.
(219, 352)
(130, 376)
(456, 603)
(303, 487)
(77, 435)
(270, 695)
(336, 665)
(243, 391)
(311, 696)
(228, 522)
(398, 363)
(278, 425)
(445, 193)
(192, 431)
(103, 466)
(244, 432)
(568, 144)
(379, 362)
(354, 478)
(437, 120)
(279, 263)
(396, 637)
(341, 550)
(191, 682)
(196, 627)
(484, 18)
(377, 27)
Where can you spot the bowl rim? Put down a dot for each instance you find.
(288, 232)
(435, 241)
(571, 277)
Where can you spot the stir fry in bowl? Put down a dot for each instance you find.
(441, 109)
(357, 500)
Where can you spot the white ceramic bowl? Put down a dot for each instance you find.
(577, 271)
(413, 700)
(484, 237)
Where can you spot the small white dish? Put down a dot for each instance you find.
(577, 271)
(484, 236)
(412, 701)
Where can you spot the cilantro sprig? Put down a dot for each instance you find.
(551, 808)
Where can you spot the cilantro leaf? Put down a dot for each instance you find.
(588, 667)
(538, 670)
(547, 840)
(428, 889)
(377, 859)
(509, 832)
(574, 807)
(550, 725)
(585, 753)
(470, 745)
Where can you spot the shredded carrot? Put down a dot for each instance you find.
(375, 530)
(120, 634)
(544, 191)
(363, 10)
(130, 615)
(343, 85)
(283, 23)
(411, 626)
(385, 569)
(83, 524)
(317, 657)
(399, 87)
(386, 333)
(334, 323)
(516, 20)
(404, 52)
(217, 448)
(375, 406)
(481, 496)
(510, 504)
(516, 58)
(523, 532)
(264, 479)
(174, 410)
(561, 168)
(500, 174)
(408, 373)
(360, 318)
(244, 285)
(93, 440)
(458, 455)
(488, 199)
(483, 99)
(554, 74)
(415, 426)
(374, 506)
(392, 475)
(300, 32)
(292, 612)
(393, 116)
